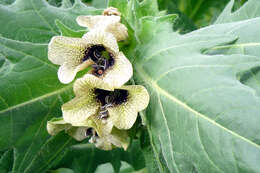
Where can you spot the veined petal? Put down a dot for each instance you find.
(103, 130)
(100, 37)
(107, 135)
(65, 49)
(119, 138)
(79, 109)
(101, 143)
(124, 115)
(66, 73)
(86, 84)
(120, 72)
(56, 125)
(118, 30)
(101, 127)
(109, 24)
(78, 133)
(93, 22)
(138, 96)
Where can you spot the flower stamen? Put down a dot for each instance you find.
(89, 132)
(109, 99)
(102, 58)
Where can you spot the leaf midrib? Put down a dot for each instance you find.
(36, 99)
(158, 89)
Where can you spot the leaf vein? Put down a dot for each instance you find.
(203, 147)
(185, 106)
(36, 99)
(168, 133)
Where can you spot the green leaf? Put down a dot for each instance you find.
(125, 168)
(99, 3)
(34, 21)
(200, 12)
(195, 13)
(62, 170)
(6, 160)
(204, 88)
(68, 32)
(183, 23)
(86, 157)
(30, 93)
(248, 11)
(6, 2)
(206, 103)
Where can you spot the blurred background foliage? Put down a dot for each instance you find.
(193, 14)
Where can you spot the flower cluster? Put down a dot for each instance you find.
(103, 108)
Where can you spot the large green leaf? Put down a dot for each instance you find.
(30, 93)
(34, 20)
(204, 86)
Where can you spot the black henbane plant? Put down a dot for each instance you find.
(203, 113)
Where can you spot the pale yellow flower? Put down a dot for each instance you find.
(116, 105)
(96, 48)
(92, 128)
(109, 22)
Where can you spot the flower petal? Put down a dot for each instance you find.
(79, 109)
(103, 130)
(101, 127)
(101, 143)
(56, 125)
(86, 84)
(106, 23)
(107, 135)
(119, 73)
(118, 30)
(138, 96)
(65, 49)
(93, 22)
(124, 116)
(100, 37)
(78, 133)
(119, 138)
(66, 73)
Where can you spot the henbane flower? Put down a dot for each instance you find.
(96, 48)
(109, 22)
(92, 128)
(94, 97)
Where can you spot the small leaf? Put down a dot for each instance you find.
(66, 31)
